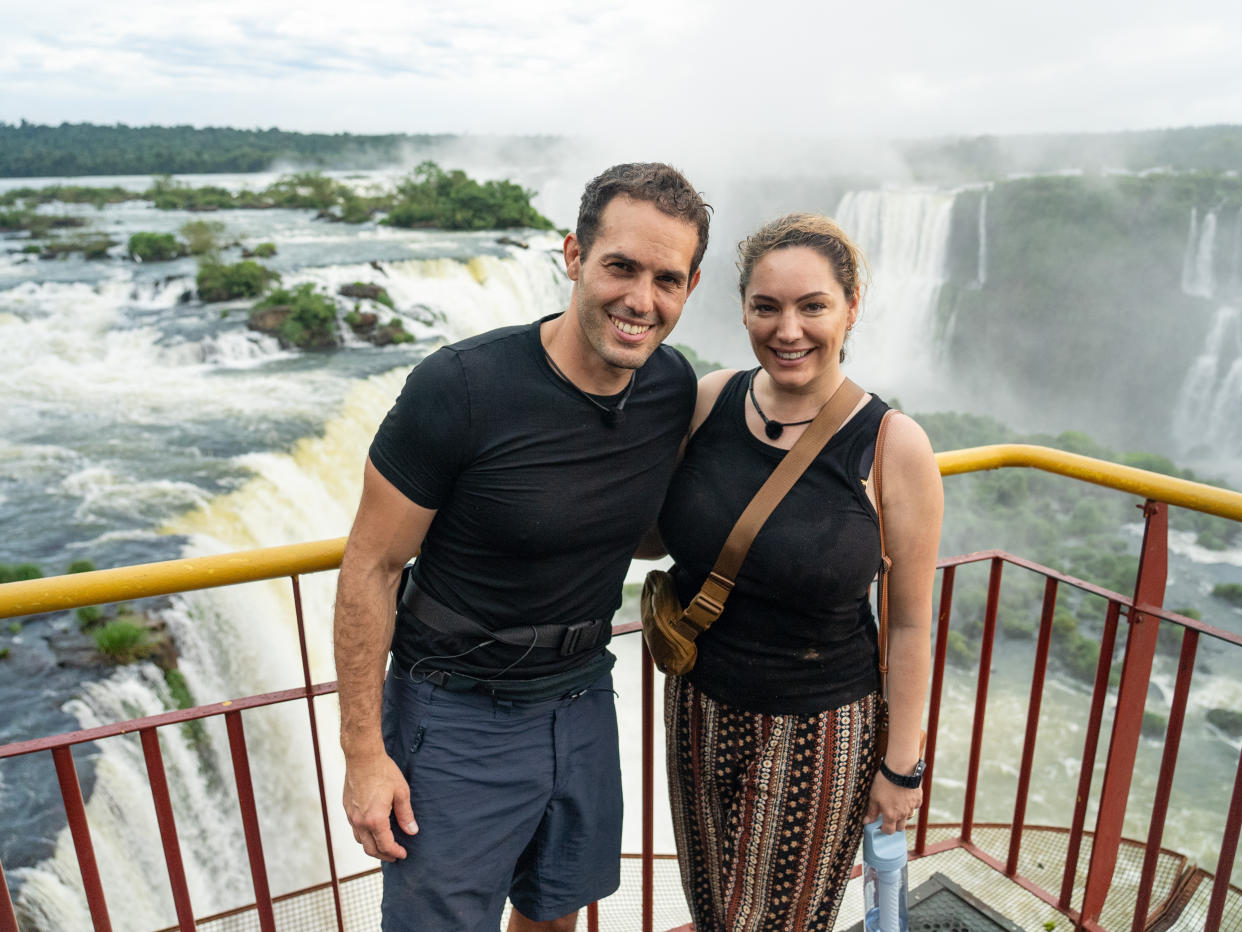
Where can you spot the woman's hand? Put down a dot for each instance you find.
(894, 803)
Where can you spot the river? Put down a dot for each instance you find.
(140, 424)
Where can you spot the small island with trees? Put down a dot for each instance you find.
(429, 197)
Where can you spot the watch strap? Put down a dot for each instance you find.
(910, 781)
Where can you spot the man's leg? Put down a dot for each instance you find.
(480, 779)
(574, 857)
(519, 923)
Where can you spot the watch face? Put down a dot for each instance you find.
(918, 769)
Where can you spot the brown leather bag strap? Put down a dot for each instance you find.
(706, 607)
(885, 562)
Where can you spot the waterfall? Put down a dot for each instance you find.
(1197, 261)
(1233, 271)
(1206, 419)
(981, 276)
(905, 236)
(242, 640)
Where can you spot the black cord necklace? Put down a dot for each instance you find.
(612, 416)
(770, 427)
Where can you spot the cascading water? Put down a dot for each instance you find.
(1198, 273)
(1207, 417)
(139, 428)
(905, 236)
(124, 358)
(981, 274)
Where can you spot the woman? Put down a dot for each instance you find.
(771, 737)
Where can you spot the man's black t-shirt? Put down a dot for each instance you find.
(540, 504)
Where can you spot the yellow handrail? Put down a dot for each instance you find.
(57, 593)
(1181, 492)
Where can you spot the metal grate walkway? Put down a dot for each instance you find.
(1041, 862)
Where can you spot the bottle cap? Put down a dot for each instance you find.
(883, 852)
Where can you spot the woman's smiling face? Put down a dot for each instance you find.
(797, 315)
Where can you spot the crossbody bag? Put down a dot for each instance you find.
(669, 630)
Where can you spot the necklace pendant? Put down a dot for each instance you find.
(773, 429)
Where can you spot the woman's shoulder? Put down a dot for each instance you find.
(710, 387)
(908, 449)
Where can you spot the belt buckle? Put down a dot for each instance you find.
(578, 634)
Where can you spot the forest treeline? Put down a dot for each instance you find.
(30, 150)
(428, 196)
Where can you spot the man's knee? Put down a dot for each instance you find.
(520, 923)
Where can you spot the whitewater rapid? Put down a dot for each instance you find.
(139, 426)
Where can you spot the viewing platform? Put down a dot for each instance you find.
(1084, 874)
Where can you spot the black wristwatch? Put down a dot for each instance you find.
(911, 781)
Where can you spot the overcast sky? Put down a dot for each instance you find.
(643, 68)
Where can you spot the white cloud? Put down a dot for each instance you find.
(643, 70)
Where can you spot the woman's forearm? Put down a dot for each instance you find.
(909, 660)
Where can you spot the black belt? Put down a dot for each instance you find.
(563, 685)
(568, 639)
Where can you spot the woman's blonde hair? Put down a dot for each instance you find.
(814, 231)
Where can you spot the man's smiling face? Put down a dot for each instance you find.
(629, 290)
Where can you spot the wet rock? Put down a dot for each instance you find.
(362, 290)
(1227, 720)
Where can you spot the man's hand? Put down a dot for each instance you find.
(374, 790)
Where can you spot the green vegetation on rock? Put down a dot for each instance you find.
(301, 317)
(91, 245)
(1227, 720)
(432, 197)
(1073, 527)
(1229, 592)
(89, 615)
(1154, 725)
(367, 290)
(36, 224)
(155, 247)
(178, 689)
(1101, 250)
(17, 572)
(202, 237)
(121, 640)
(428, 197)
(217, 281)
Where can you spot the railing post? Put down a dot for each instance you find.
(648, 788)
(250, 820)
(1228, 851)
(314, 731)
(8, 918)
(1168, 765)
(1090, 745)
(933, 709)
(168, 829)
(981, 697)
(1128, 719)
(75, 812)
(1032, 724)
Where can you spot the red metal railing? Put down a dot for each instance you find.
(1143, 614)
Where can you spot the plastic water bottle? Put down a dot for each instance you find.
(884, 880)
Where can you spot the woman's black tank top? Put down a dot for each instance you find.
(797, 633)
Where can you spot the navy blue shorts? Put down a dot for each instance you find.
(512, 799)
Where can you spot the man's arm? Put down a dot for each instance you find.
(387, 532)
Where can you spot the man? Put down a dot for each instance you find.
(523, 466)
